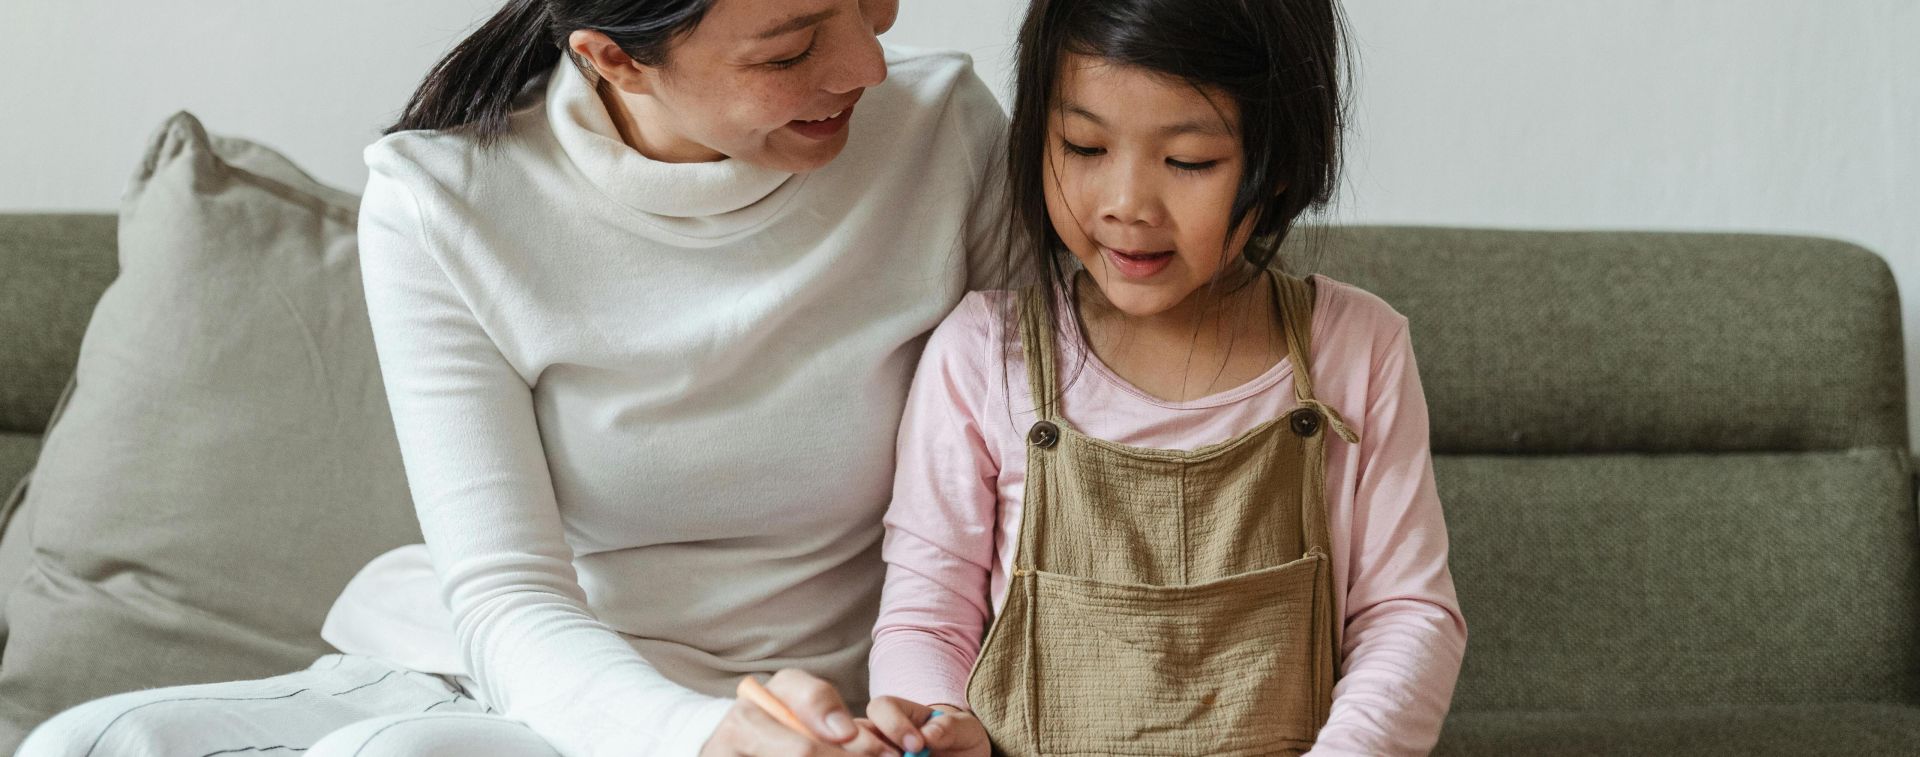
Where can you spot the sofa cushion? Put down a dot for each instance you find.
(17, 453)
(226, 461)
(1649, 581)
(1840, 729)
(1536, 342)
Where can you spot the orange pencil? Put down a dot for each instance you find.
(751, 690)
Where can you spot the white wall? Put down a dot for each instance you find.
(1752, 115)
(1757, 115)
(83, 83)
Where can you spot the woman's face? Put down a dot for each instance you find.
(771, 82)
(1141, 173)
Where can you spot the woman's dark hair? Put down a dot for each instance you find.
(475, 85)
(1279, 63)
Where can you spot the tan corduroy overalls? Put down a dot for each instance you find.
(1167, 602)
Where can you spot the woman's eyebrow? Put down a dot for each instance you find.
(796, 23)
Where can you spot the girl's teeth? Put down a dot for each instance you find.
(828, 118)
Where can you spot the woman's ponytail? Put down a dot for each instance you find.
(474, 87)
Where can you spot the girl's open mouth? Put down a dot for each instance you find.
(1138, 265)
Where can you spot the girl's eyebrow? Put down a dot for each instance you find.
(1075, 110)
(1200, 126)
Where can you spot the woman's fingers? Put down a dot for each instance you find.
(761, 735)
(900, 721)
(871, 742)
(816, 703)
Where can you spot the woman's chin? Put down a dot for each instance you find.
(794, 154)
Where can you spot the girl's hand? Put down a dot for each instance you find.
(749, 731)
(911, 726)
(957, 733)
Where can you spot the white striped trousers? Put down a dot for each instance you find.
(342, 706)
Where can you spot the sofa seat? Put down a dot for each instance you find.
(17, 453)
(1854, 729)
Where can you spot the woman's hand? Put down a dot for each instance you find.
(911, 726)
(749, 731)
(871, 742)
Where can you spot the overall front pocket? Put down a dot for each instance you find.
(1224, 667)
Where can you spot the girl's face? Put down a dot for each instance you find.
(772, 82)
(1141, 172)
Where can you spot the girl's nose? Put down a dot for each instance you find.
(1129, 198)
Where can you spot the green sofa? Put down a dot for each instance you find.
(1676, 475)
(1675, 468)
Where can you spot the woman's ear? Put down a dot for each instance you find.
(613, 64)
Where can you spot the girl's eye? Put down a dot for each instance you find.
(1085, 152)
(1192, 167)
(793, 61)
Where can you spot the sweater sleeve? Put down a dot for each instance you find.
(478, 474)
(982, 126)
(1405, 636)
(939, 544)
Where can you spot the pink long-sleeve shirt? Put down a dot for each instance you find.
(954, 521)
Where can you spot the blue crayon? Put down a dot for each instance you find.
(928, 751)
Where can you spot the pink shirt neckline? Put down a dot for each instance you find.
(1280, 370)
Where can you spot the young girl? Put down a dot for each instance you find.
(1191, 493)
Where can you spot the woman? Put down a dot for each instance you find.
(648, 279)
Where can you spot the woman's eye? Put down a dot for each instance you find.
(1193, 167)
(1085, 152)
(793, 61)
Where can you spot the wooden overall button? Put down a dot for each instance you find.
(1305, 422)
(1044, 435)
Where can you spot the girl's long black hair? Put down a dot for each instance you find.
(473, 88)
(1281, 63)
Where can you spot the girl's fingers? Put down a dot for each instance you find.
(900, 720)
(955, 731)
(816, 703)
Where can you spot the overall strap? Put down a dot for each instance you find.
(1036, 340)
(1296, 319)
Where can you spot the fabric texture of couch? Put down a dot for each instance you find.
(1677, 482)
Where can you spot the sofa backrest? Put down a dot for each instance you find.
(1675, 466)
(52, 271)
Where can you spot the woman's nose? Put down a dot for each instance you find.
(863, 64)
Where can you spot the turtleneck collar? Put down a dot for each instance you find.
(696, 199)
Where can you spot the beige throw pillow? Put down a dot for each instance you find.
(226, 460)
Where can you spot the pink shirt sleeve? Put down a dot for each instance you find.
(1404, 636)
(939, 546)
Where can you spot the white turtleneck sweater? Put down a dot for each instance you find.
(648, 410)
